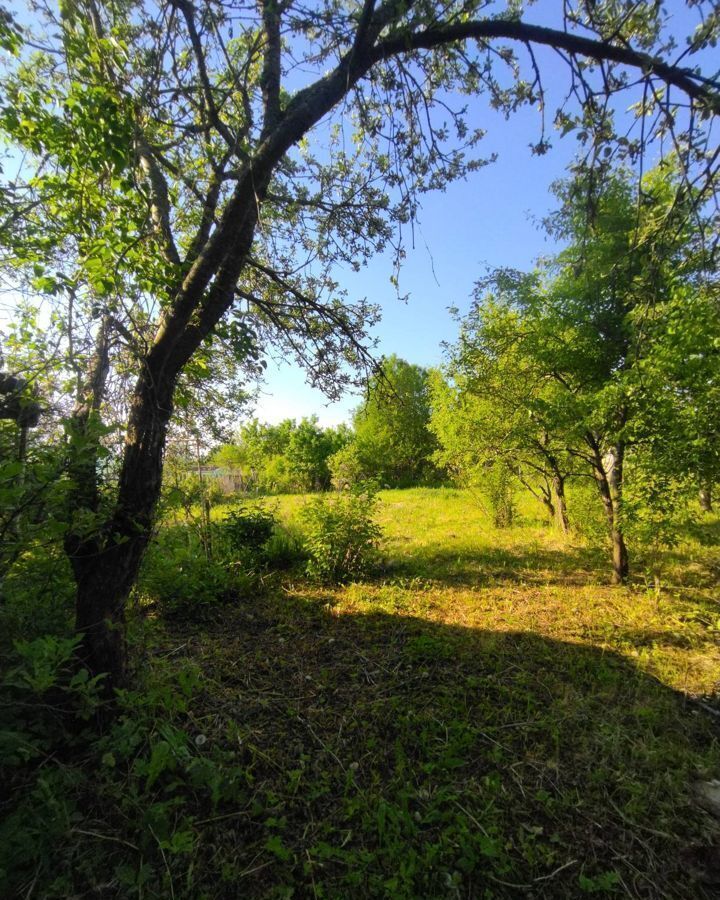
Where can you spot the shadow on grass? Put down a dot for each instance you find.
(394, 757)
(705, 532)
(490, 565)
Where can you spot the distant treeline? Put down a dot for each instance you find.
(388, 442)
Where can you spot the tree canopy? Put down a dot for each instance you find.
(391, 432)
(590, 364)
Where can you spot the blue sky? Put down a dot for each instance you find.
(487, 220)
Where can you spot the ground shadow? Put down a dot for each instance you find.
(395, 757)
(492, 565)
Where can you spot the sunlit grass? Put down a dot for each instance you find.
(444, 561)
(485, 716)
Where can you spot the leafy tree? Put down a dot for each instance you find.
(683, 375)
(289, 455)
(169, 196)
(391, 426)
(309, 450)
(498, 411)
(584, 350)
(347, 469)
(257, 447)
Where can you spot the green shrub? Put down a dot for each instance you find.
(246, 531)
(346, 467)
(341, 537)
(143, 780)
(587, 516)
(285, 548)
(251, 538)
(37, 594)
(46, 703)
(178, 576)
(498, 488)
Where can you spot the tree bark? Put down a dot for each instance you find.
(561, 514)
(705, 497)
(608, 474)
(99, 619)
(107, 565)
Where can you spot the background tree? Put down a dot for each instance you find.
(167, 188)
(347, 469)
(498, 410)
(579, 360)
(391, 427)
(289, 456)
(309, 450)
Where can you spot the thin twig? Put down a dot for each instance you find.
(559, 869)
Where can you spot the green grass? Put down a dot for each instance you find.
(485, 717)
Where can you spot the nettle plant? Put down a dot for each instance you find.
(184, 181)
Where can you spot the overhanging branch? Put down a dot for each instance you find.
(704, 90)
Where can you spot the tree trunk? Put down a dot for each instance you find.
(103, 582)
(621, 564)
(106, 564)
(705, 497)
(561, 514)
(543, 494)
(608, 472)
(549, 507)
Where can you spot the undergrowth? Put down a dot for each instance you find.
(484, 717)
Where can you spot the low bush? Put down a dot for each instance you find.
(185, 579)
(251, 539)
(244, 533)
(285, 548)
(180, 579)
(498, 487)
(37, 594)
(341, 536)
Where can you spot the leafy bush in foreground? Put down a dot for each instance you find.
(341, 536)
(134, 789)
(245, 532)
(183, 580)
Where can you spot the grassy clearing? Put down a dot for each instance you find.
(484, 718)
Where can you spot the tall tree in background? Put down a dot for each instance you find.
(168, 195)
(308, 452)
(600, 353)
(492, 407)
(391, 426)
